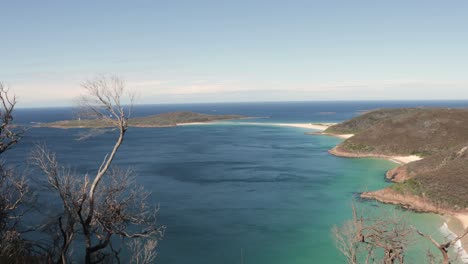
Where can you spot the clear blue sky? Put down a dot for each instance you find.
(217, 51)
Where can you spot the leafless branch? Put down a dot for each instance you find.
(143, 251)
(9, 134)
(16, 197)
(360, 238)
(108, 204)
(444, 247)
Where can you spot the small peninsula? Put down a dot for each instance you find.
(170, 119)
(431, 144)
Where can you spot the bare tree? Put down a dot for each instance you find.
(16, 196)
(9, 134)
(442, 247)
(108, 204)
(360, 238)
(143, 251)
(71, 189)
(15, 200)
(347, 238)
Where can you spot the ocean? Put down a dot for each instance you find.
(234, 192)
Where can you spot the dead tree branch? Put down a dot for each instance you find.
(108, 204)
(9, 134)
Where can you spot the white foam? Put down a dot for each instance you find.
(457, 247)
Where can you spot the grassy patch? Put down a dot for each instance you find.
(408, 187)
(357, 147)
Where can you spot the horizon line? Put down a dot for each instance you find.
(266, 102)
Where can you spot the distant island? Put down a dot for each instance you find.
(161, 120)
(432, 144)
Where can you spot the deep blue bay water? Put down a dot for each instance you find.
(233, 192)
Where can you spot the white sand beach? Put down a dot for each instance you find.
(462, 218)
(398, 159)
(314, 126)
(404, 159)
(344, 136)
(319, 127)
(197, 123)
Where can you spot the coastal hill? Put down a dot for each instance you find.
(441, 178)
(406, 131)
(439, 181)
(161, 120)
(367, 120)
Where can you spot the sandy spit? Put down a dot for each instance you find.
(321, 126)
(397, 159)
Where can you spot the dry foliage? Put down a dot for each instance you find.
(9, 134)
(16, 197)
(442, 247)
(384, 239)
(405, 131)
(364, 240)
(105, 206)
(100, 211)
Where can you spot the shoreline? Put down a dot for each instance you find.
(455, 221)
(343, 136)
(314, 126)
(397, 159)
(197, 123)
(403, 200)
(411, 202)
(154, 121)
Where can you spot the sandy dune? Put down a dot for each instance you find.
(463, 218)
(405, 159)
(321, 126)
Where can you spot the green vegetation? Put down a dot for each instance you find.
(161, 120)
(410, 186)
(357, 147)
(440, 135)
(443, 177)
(367, 120)
(406, 131)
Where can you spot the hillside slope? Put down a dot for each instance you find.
(407, 131)
(441, 178)
(439, 135)
(367, 120)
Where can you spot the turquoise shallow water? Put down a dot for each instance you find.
(263, 194)
(234, 193)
